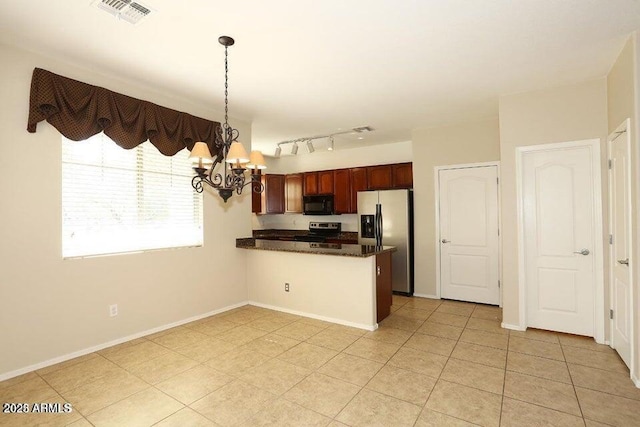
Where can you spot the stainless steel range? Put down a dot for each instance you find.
(319, 232)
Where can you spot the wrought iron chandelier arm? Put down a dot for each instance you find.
(256, 183)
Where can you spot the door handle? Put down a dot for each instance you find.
(582, 252)
(623, 261)
(446, 241)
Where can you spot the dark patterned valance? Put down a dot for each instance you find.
(79, 110)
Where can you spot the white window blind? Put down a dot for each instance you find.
(116, 200)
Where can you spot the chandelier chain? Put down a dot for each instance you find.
(226, 87)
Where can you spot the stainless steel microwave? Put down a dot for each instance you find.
(318, 205)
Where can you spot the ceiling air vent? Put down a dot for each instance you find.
(126, 10)
(363, 129)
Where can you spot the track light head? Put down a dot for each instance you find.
(310, 146)
(278, 151)
(294, 148)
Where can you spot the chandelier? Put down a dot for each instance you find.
(231, 154)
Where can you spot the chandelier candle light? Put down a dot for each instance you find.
(231, 153)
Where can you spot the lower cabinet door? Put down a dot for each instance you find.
(383, 285)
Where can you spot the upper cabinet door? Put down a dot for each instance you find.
(293, 193)
(402, 175)
(325, 182)
(274, 193)
(358, 183)
(310, 183)
(342, 190)
(379, 177)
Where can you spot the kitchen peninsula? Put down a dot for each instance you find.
(341, 283)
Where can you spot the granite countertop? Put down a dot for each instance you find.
(275, 234)
(361, 251)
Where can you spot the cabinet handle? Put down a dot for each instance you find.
(378, 270)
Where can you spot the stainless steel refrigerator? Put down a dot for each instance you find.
(385, 218)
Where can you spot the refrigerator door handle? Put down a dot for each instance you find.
(381, 226)
(378, 224)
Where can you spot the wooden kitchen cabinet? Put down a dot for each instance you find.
(383, 285)
(293, 193)
(358, 183)
(310, 183)
(271, 201)
(344, 184)
(402, 174)
(325, 182)
(342, 191)
(380, 177)
(256, 198)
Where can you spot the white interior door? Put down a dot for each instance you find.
(620, 216)
(469, 240)
(559, 225)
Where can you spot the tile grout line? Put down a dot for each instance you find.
(458, 340)
(549, 379)
(448, 357)
(445, 366)
(411, 334)
(311, 371)
(317, 369)
(376, 373)
(139, 378)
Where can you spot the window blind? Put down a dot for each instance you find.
(116, 200)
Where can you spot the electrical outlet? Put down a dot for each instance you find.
(113, 310)
(286, 287)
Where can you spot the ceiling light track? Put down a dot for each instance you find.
(309, 140)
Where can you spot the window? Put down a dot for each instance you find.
(116, 200)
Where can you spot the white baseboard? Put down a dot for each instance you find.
(69, 356)
(512, 327)
(315, 316)
(426, 296)
(635, 380)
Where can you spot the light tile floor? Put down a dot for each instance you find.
(431, 363)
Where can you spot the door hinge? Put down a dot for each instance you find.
(610, 164)
(498, 231)
(611, 239)
(498, 181)
(498, 283)
(610, 314)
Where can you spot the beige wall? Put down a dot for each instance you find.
(338, 289)
(568, 113)
(50, 307)
(450, 145)
(621, 105)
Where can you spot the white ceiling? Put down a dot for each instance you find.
(303, 67)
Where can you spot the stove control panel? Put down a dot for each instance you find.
(325, 226)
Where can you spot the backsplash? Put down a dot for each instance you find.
(301, 222)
